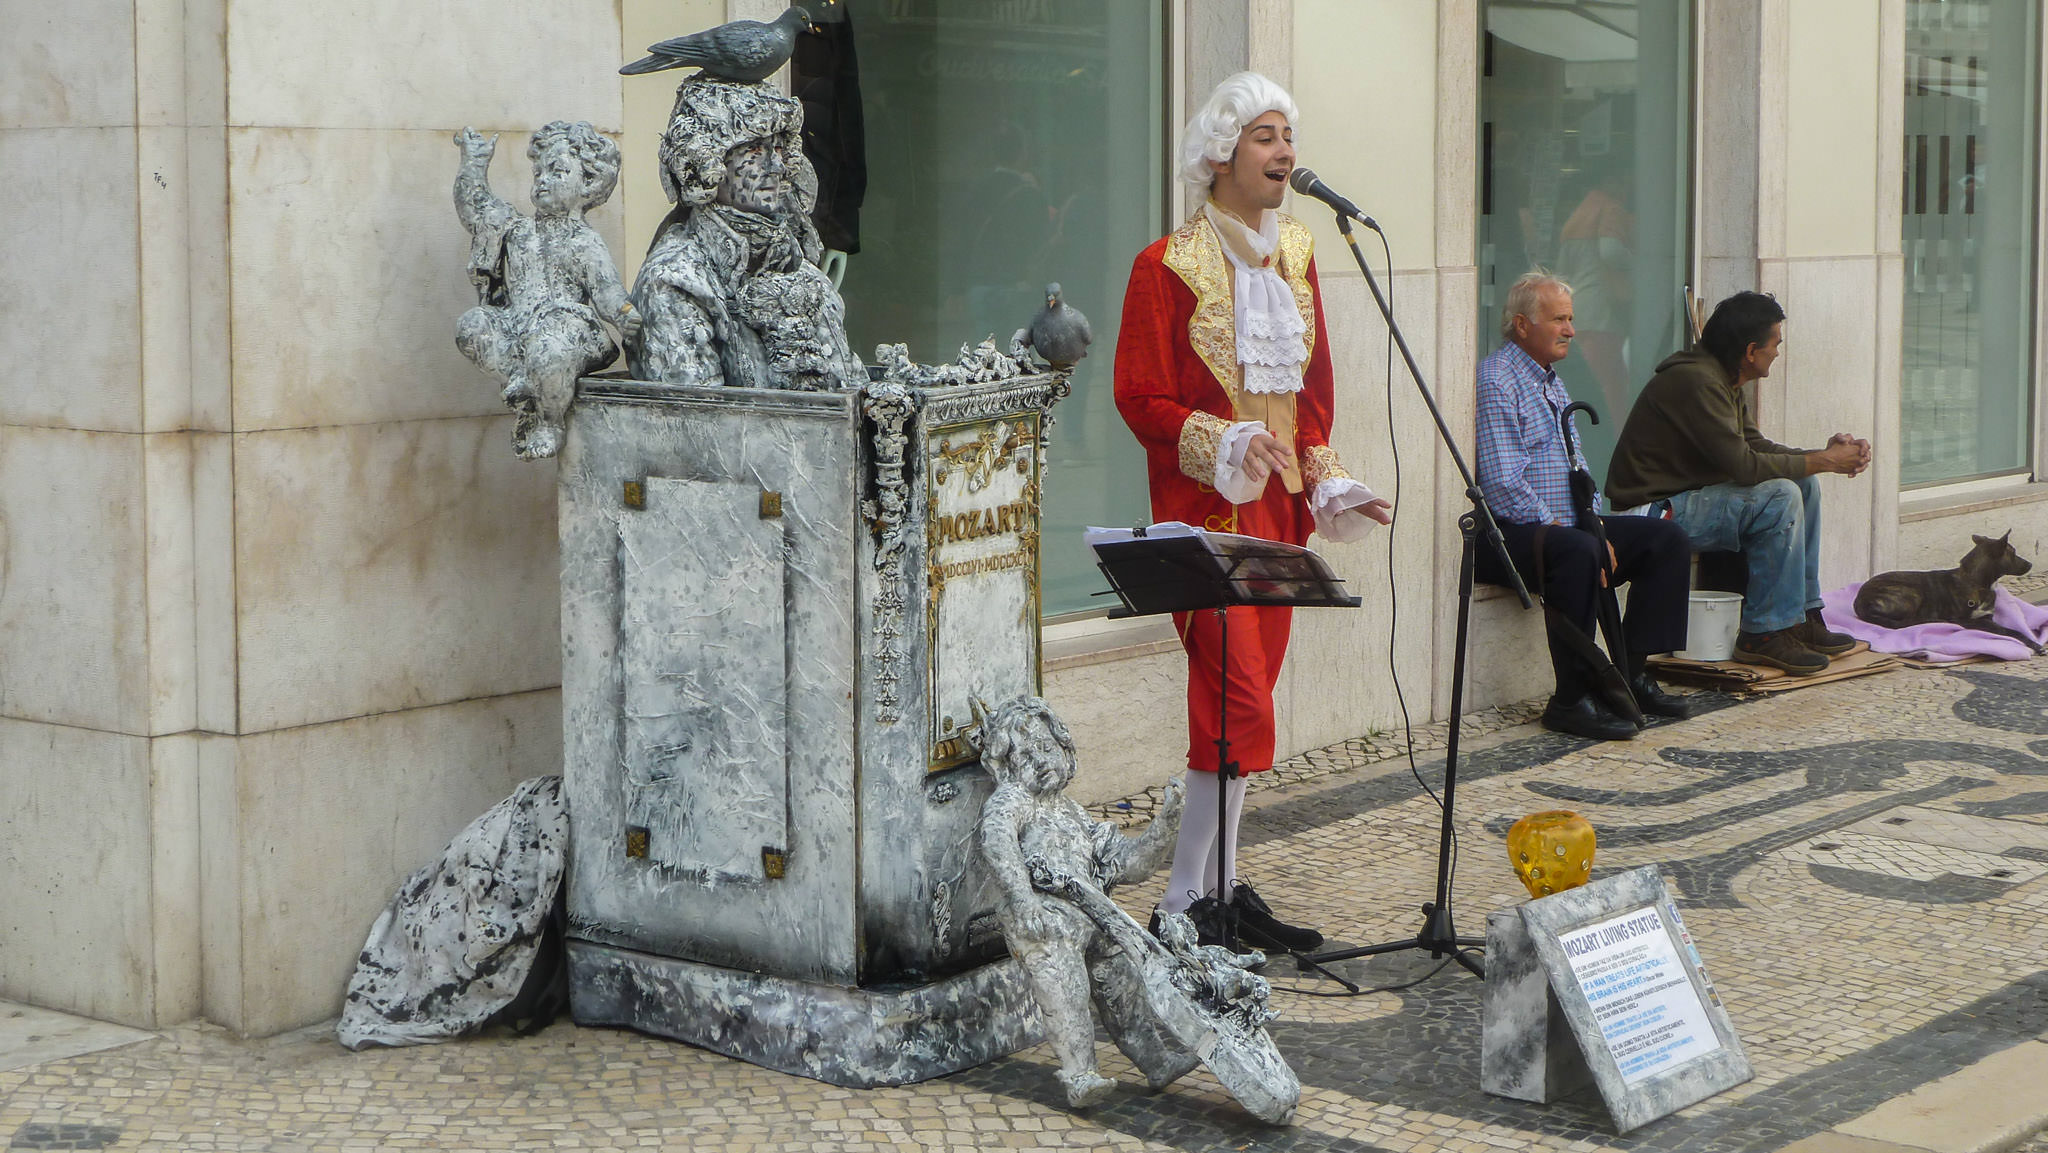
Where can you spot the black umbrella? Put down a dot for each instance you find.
(1607, 680)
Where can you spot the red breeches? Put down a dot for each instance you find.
(1258, 644)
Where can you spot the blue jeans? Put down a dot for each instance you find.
(1777, 524)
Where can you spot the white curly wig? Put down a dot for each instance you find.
(1212, 135)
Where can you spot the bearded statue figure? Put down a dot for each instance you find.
(731, 292)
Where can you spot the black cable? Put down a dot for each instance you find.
(1393, 579)
(1305, 991)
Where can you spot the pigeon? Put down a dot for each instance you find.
(1059, 333)
(743, 51)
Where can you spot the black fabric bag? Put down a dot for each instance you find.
(545, 994)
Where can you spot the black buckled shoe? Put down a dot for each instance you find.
(1259, 928)
(1583, 717)
(1651, 698)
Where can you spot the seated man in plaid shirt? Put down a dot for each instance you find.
(1525, 466)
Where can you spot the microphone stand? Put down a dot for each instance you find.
(1439, 935)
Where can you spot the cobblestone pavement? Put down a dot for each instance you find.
(1861, 863)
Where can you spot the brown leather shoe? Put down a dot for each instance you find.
(1813, 632)
(1780, 649)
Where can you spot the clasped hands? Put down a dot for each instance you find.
(1846, 454)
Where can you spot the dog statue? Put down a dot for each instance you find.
(1962, 595)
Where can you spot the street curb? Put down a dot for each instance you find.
(1988, 1107)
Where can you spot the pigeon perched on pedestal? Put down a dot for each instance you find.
(1059, 333)
(743, 51)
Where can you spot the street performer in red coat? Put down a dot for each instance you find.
(1223, 373)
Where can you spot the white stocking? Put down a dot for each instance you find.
(1194, 852)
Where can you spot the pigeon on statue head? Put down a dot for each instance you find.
(1059, 333)
(743, 51)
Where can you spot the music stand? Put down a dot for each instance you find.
(1192, 571)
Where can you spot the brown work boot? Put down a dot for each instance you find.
(1813, 632)
(1781, 649)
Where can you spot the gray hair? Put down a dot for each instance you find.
(1211, 137)
(1523, 297)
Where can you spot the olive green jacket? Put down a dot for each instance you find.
(1691, 428)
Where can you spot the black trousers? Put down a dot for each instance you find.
(1652, 556)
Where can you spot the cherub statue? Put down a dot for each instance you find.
(1030, 824)
(1195, 1002)
(546, 285)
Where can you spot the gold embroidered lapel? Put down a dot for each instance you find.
(1195, 254)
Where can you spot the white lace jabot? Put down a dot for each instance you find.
(1270, 331)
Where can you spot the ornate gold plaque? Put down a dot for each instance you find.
(981, 572)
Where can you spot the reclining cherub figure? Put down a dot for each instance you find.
(546, 285)
(1029, 821)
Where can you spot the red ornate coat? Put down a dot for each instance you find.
(1177, 381)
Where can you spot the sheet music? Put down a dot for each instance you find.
(1261, 570)
(1092, 535)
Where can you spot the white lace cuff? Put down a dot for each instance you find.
(1231, 482)
(1335, 506)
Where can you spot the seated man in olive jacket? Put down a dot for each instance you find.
(1692, 446)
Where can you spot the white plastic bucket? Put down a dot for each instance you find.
(1711, 621)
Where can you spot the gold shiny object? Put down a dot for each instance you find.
(1552, 851)
(635, 495)
(771, 505)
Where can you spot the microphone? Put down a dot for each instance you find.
(1306, 182)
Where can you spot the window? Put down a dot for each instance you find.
(1585, 116)
(1011, 144)
(1968, 223)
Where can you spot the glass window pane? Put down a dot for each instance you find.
(1585, 169)
(1968, 238)
(1010, 146)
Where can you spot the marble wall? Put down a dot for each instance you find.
(91, 670)
(280, 605)
(1828, 154)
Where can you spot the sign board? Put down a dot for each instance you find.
(1628, 978)
(982, 573)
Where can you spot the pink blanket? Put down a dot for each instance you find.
(1943, 642)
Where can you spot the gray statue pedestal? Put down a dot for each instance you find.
(781, 611)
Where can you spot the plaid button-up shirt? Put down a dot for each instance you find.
(1523, 466)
